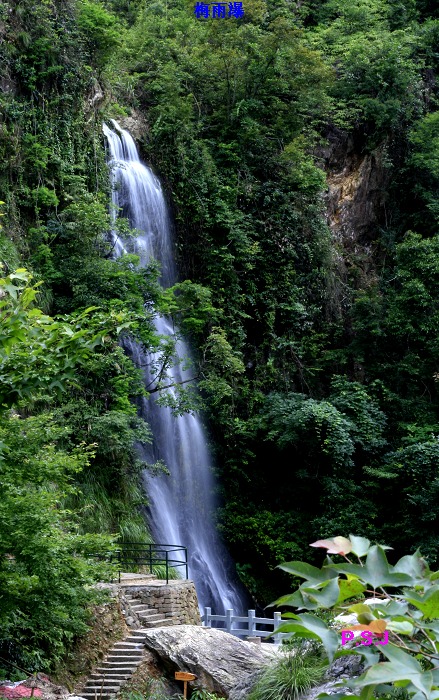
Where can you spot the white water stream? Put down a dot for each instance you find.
(182, 505)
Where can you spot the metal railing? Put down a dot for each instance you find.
(142, 554)
(251, 620)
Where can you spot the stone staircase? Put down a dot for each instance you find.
(125, 656)
(149, 617)
(120, 662)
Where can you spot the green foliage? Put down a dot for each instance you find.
(407, 612)
(156, 689)
(190, 305)
(296, 672)
(36, 351)
(48, 460)
(44, 569)
(378, 69)
(413, 469)
(99, 28)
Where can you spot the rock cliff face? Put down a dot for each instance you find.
(136, 124)
(357, 189)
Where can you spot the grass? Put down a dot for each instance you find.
(299, 669)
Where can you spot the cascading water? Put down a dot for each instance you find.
(181, 505)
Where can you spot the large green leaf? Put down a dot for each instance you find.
(311, 627)
(428, 604)
(307, 571)
(349, 588)
(326, 596)
(361, 608)
(412, 564)
(392, 607)
(400, 627)
(376, 571)
(402, 667)
(295, 600)
(360, 545)
(370, 655)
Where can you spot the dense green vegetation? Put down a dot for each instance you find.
(317, 354)
(331, 418)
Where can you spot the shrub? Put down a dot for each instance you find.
(298, 670)
(402, 626)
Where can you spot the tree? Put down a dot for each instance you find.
(39, 353)
(43, 559)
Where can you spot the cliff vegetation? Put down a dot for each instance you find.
(299, 148)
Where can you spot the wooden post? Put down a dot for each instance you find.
(185, 677)
(207, 620)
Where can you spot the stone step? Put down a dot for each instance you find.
(122, 662)
(134, 633)
(139, 641)
(112, 673)
(127, 651)
(139, 607)
(109, 670)
(108, 680)
(131, 644)
(97, 689)
(99, 682)
(99, 692)
(164, 622)
(150, 617)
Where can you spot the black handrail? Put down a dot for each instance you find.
(142, 553)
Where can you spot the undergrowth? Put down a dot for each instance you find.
(300, 668)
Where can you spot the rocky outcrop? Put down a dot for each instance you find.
(218, 659)
(341, 669)
(136, 124)
(357, 188)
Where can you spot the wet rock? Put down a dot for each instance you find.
(136, 124)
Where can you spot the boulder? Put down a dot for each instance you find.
(243, 688)
(342, 668)
(218, 659)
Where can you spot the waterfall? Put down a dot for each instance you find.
(182, 504)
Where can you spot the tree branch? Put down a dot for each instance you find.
(169, 386)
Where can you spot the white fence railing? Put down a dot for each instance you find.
(229, 620)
